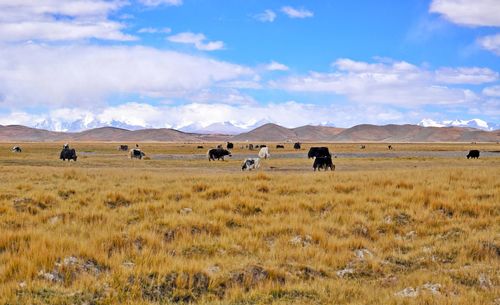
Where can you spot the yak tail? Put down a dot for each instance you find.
(208, 155)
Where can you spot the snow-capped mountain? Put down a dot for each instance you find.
(326, 124)
(215, 128)
(81, 124)
(229, 128)
(473, 123)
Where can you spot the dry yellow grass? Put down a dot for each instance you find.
(109, 230)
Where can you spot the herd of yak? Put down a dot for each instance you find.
(321, 155)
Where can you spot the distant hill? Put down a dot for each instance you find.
(273, 132)
(265, 133)
(414, 133)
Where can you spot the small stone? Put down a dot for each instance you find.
(432, 288)
(185, 211)
(54, 220)
(484, 281)
(22, 285)
(362, 253)
(408, 292)
(411, 235)
(128, 264)
(388, 219)
(213, 269)
(345, 272)
(70, 260)
(50, 276)
(303, 241)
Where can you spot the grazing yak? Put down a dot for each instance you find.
(296, 145)
(280, 146)
(123, 147)
(250, 163)
(474, 154)
(136, 153)
(362, 147)
(250, 146)
(229, 145)
(67, 153)
(323, 162)
(264, 153)
(389, 147)
(16, 149)
(199, 146)
(217, 153)
(315, 152)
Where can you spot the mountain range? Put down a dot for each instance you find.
(268, 132)
(226, 127)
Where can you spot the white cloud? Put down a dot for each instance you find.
(161, 2)
(154, 30)
(59, 20)
(491, 43)
(296, 12)
(397, 83)
(468, 12)
(61, 75)
(463, 75)
(276, 66)
(53, 31)
(198, 40)
(493, 91)
(266, 16)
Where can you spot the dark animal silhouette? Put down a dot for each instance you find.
(474, 154)
(362, 147)
(16, 149)
(280, 146)
(217, 153)
(250, 146)
(136, 153)
(123, 147)
(389, 147)
(296, 145)
(229, 145)
(324, 162)
(199, 147)
(67, 153)
(315, 152)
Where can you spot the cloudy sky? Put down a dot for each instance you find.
(171, 63)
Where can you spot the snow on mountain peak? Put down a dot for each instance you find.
(473, 123)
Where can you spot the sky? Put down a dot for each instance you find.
(172, 63)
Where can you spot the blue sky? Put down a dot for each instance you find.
(172, 63)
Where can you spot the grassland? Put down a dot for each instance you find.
(385, 230)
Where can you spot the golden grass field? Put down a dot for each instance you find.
(378, 230)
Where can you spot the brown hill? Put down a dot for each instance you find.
(276, 133)
(267, 132)
(414, 133)
(316, 133)
(147, 135)
(28, 134)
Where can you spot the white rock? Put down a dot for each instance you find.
(213, 269)
(185, 211)
(299, 240)
(432, 288)
(128, 264)
(408, 292)
(362, 253)
(484, 281)
(344, 272)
